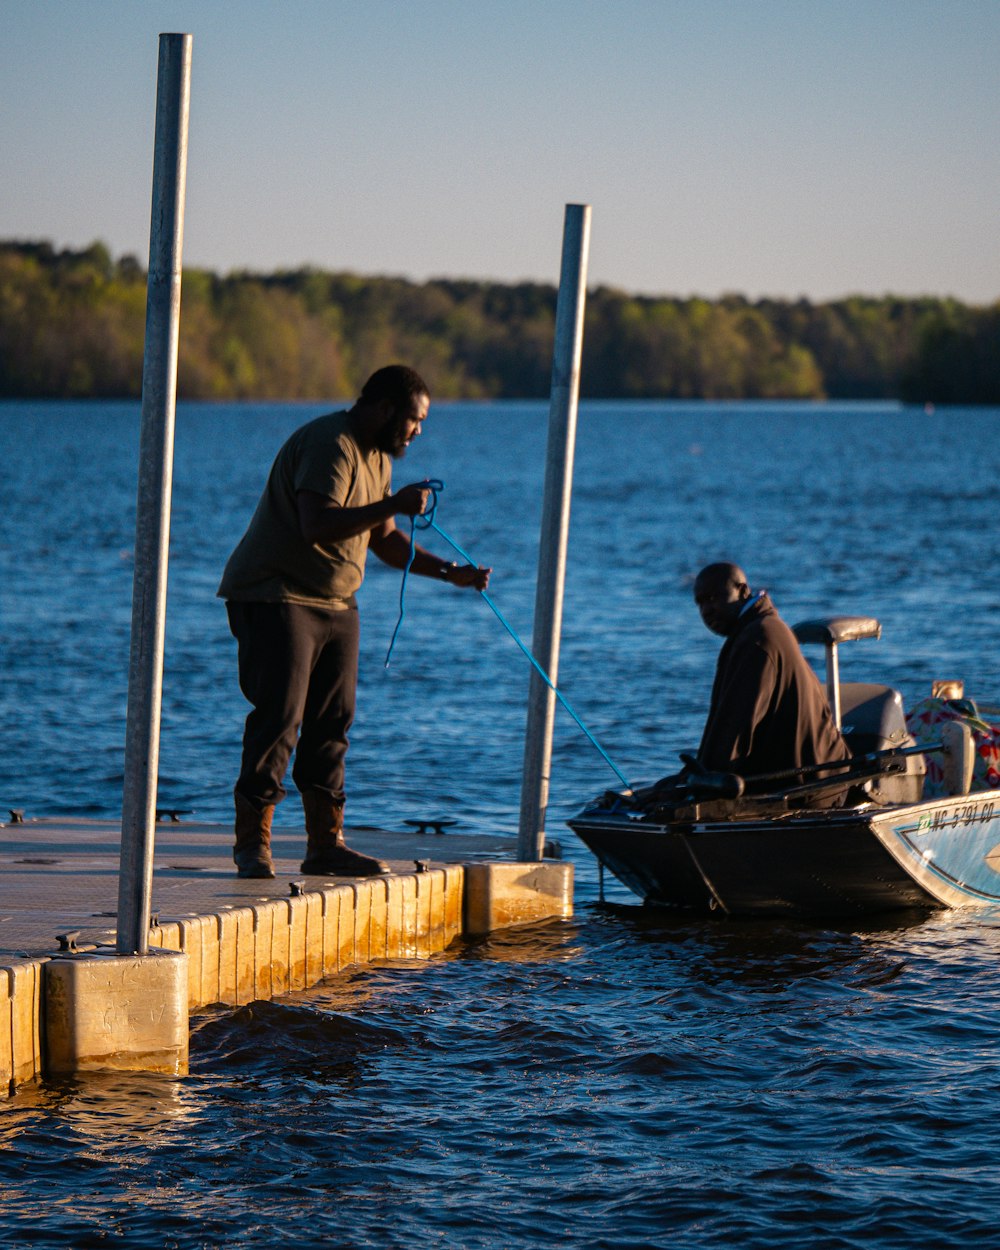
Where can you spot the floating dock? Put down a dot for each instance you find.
(73, 1004)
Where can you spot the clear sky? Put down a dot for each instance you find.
(767, 147)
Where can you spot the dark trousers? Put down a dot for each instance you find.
(299, 670)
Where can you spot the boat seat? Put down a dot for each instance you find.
(958, 757)
(873, 719)
(832, 630)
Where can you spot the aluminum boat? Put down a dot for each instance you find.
(760, 847)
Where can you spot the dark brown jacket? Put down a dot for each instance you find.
(769, 712)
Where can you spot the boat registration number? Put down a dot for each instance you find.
(961, 814)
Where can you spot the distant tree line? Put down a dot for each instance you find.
(72, 325)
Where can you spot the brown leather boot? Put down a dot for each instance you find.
(252, 852)
(326, 852)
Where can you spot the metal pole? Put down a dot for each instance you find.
(833, 681)
(555, 529)
(152, 525)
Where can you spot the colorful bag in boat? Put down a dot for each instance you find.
(924, 722)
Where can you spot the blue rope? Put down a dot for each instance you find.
(427, 521)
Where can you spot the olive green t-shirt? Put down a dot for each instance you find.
(273, 563)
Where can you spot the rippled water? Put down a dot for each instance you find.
(625, 1079)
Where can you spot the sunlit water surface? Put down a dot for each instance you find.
(625, 1079)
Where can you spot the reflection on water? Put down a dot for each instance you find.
(103, 1109)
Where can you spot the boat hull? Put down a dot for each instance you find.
(944, 853)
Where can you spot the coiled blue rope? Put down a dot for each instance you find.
(425, 521)
(428, 521)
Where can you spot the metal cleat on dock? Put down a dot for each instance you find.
(437, 826)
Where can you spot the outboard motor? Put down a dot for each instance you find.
(871, 717)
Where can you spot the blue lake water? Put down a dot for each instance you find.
(624, 1079)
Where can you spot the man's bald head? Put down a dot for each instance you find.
(720, 591)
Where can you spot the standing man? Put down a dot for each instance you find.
(289, 588)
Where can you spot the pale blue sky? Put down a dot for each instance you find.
(769, 147)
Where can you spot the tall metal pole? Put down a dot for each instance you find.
(555, 529)
(152, 526)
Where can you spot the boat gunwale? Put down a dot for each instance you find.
(871, 814)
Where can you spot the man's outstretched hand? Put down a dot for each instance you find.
(470, 575)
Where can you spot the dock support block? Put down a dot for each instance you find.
(501, 895)
(106, 1012)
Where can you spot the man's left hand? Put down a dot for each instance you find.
(470, 575)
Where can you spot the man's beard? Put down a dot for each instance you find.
(392, 439)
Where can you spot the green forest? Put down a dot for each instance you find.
(72, 326)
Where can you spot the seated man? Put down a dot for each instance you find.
(769, 713)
